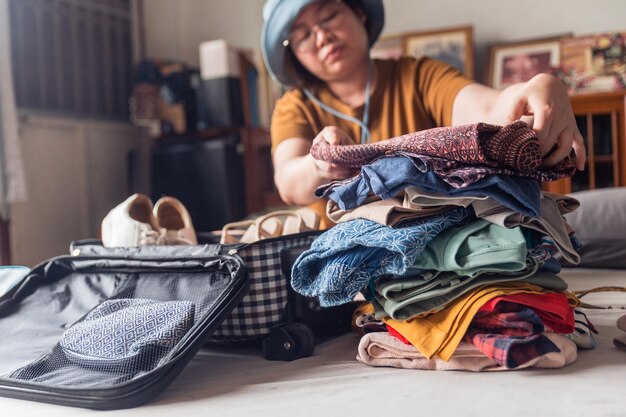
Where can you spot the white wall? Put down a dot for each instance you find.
(175, 28)
(76, 171)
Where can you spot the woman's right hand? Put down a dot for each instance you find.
(332, 135)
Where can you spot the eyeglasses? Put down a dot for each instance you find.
(331, 17)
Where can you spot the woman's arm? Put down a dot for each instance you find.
(543, 97)
(297, 174)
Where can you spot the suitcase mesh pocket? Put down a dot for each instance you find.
(100, 330)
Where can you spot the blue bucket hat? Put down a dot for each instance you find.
(279, 15)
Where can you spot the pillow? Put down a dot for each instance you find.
(600, 225)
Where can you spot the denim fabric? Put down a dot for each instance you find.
(344, 259)
(386, 177)
(551, 265)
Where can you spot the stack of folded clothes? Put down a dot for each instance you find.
(448, 235)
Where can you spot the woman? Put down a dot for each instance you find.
(320, 48)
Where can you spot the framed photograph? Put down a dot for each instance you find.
(454, 46)
(594, 62)
(516, 62)
(388, 47)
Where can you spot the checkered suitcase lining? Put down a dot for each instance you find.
(264, 305)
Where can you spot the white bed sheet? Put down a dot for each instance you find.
(238, 382)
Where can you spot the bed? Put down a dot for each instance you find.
(238, 382)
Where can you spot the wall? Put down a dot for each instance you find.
(503, 21)
(76, 171)
(174, 29)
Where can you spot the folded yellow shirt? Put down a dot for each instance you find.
(440, 333)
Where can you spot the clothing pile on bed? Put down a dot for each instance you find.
(448, 235)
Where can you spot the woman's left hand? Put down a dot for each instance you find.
(545, 98)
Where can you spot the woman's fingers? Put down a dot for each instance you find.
(332, 171)
(562, 147)
(335, 136)
(545, 127)
(579, 150)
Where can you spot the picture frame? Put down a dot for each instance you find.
(388, 47)
(519, 61)
(453, 45)
(594, 63)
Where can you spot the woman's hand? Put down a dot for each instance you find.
(546, 100)
(297, 174)
(332, 135)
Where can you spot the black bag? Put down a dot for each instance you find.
(110, 328)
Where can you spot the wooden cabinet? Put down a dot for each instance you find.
(254, 152)
(261, 192)
(601, 119)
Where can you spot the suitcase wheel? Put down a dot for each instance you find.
(288, 342)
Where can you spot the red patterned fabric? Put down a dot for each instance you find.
(552, 308)
(511, 335)
(513, 146)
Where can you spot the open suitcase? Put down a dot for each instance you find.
(110, 328)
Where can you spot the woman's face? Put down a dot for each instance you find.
(329, 39)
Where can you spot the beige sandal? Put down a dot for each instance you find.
(247, 231)
(301, 220)
(294, 221)
(273, 224)
(233, 232)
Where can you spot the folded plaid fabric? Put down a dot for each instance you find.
(511, 335)
(513, 146)
(552, 308)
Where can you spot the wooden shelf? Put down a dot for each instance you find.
(600, 159)
(261, 192)
(601, 119)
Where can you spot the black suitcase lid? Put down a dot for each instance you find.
(112, 330)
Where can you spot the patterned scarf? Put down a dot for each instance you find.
(514, 146)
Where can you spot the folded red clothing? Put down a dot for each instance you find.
(398, 335)
(511, 334)
(552, 308)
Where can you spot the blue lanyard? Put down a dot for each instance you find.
(365, 132)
